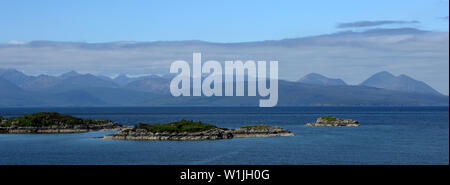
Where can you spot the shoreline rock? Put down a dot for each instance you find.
(330, 121)
(268, 131)
(64, 129)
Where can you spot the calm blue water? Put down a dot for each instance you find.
(388, 135)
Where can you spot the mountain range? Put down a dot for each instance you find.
(74, 89)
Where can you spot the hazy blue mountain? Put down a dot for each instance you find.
(404, 83)
(74, 89)
(156, 85)
(67, 81)
(299, 94)
(41, 82)
(15, 76)
(123, 79)
(12, 95)
(71, 98)
(7, 86)
(120, 96)
(317, 79)
(80, 82)
(304, 94)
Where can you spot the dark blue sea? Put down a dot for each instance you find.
(387, 135)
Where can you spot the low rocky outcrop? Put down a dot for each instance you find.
(333, 121)
(260, 131)
(142, 134)
(188, 130)
(53, 123)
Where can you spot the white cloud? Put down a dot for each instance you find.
(15, 42)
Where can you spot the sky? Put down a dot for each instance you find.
(215, 21)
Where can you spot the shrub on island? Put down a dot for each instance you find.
(52, 122)
(43, 119)
(178, 126)
(333, 121)
(329, 118)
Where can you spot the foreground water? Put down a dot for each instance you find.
(388, 135)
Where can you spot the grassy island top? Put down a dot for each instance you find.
(45, 119)
(329, 118)
(179, 126)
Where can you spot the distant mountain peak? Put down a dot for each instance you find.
(318, 79)
(9, 71)
(69, 74)
(386, 80)
(14, 76)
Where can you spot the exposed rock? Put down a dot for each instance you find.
(333, 121)
(260, 131)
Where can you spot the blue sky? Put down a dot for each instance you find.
(218, 21)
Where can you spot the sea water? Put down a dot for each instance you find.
(387, 135)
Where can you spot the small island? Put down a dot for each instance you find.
(192, 130)
(52, 122)
(332, 121)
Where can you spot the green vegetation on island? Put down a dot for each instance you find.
(45, 119)
(333, 121)
(179, 126)
(329, 118)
